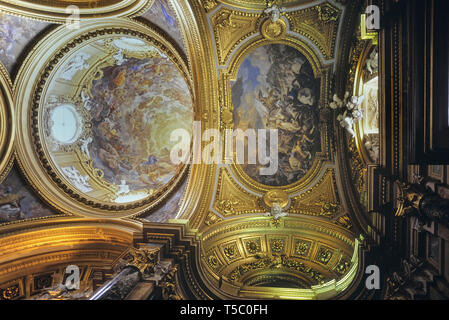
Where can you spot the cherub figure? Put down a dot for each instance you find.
(274, 12)
(85, 145)
(276, 212)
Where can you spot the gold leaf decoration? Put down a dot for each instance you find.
(211, 219)
(324, 255)
(253, 245)
(302, 247)
(320, 200)
(230, 28)
(319, 24)
(231, 199)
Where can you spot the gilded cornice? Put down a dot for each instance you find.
(35, 245)
(260, 5)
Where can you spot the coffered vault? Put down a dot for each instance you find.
(87, 116)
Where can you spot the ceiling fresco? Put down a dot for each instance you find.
(96, 108)
(170, 207)
(15, 34)
(161, 13)
(18, 202)
(112, 135)
(276, 89)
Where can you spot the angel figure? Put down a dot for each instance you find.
(276, 212)
(274, 12)
(85, 145)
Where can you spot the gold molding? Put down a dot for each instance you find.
(36, 244)
(319, 24)
(243, 248)
(320, 200)
(7, 124)
(231, 199)
(232, 27)
(55, 11)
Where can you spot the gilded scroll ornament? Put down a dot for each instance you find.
(319, 24)
(169, 284)
(231, 251)
(231, 27)
(320, 200)
(344, 221)
(232, 199)
(144, 259)
(209, 5)
(343, 266)
(211, 219)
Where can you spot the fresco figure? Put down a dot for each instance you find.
(276, 89)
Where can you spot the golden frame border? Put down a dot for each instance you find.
(33, 158)
(321, 71)
(358, 78)
(54, 14)
(7, 124)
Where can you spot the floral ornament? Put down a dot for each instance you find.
(213, 261)
(351, 110)
(253, 246)
(229, 251)
(277, 245)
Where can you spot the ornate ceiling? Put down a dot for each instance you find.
(88, 115)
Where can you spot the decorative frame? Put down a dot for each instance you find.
(33, 158)
(56, 12)
(436, 172)
(7, 124)
(322, 72)
(436, 264)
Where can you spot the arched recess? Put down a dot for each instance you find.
(36, 256)
(360, 164)
(78, 187)
(301, 259)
